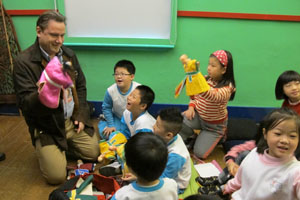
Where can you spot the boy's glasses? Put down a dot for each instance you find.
(121, 75)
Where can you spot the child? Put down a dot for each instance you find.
(146, 156)
(212, 185)
(288, 88)
(168, 124)
(115, 98)
(271, 170)
(211, 106)
(136, 117)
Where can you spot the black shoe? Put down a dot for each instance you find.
(2, 156)
(189, 142)
(101, 117)
(112, 169)
(211, 190)
(213, 180)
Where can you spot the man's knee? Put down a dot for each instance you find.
(88, 152)
(94, 153)
(95, 149)
(56, 177)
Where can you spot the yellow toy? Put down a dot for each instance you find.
(120, 151)
(116, 139)
(194, 80)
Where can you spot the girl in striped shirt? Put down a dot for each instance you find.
(208, 110)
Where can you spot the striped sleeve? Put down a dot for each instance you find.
(212, 105)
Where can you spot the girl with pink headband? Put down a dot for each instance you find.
(207, 111)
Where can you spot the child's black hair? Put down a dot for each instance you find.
(146, 154)
(283, 79)
(228, 76)
(172, 119)
(147, 95)
(270, 121)
(125, 64)
(203, 197)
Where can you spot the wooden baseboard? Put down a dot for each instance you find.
(8, 99)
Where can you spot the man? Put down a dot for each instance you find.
(67, 127)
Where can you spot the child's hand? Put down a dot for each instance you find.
(223, 190)
(232, 168)
(113, 148)
(129, 177)
(189, 113)
(108, 130)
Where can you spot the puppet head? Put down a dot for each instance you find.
(52, 80)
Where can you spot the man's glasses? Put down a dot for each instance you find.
(121, 75)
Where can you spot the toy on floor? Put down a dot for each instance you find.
(80, 169)
(113, 147)
(194, 80)
(120, 151)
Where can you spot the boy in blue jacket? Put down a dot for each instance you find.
(115, 98)
(168, 124)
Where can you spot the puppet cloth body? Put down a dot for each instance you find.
(52, 80)
(194, 80)
(115, 139)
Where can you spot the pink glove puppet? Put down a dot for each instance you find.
(52, 80)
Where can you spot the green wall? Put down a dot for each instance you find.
(261, 49)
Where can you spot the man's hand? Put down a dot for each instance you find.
(79, 126)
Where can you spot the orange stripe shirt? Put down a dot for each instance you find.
(212, 105)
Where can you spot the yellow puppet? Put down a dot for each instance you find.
(120, 151)
(194, 80)
(113, 149)
(116, 139)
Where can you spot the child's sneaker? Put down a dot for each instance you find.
(189, 142)
(112, 169)
(213, 180)
(210, 190)
(101, 117)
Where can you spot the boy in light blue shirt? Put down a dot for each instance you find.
(115, 98)
(136, 117)
(168, 124)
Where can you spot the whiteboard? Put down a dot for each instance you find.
(120, 21)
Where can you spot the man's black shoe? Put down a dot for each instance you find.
(2, 156)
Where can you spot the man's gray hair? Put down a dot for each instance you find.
(45, 17)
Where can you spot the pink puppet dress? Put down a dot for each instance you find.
(53, 79)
